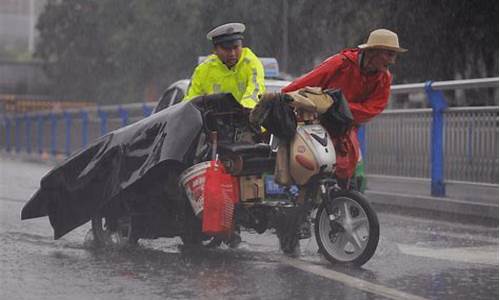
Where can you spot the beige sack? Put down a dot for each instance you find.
(282, 167)
(311, 99)
(302, 102)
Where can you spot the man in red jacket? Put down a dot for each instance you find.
(363, 76)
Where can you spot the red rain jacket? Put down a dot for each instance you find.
(367, 94)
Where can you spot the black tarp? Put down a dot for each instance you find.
(275, 114)
(73, 192)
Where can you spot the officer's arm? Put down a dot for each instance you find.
(255, 84)
(195, 86)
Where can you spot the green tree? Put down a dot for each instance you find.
(112, 50)
(73, 46)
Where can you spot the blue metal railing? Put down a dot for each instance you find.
(39, 123)
(438, 104)
(84, 115)
(446, 137)
(422, 130)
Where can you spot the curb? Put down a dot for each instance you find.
(43, 158)
(446, 205)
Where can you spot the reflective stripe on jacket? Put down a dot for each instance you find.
(245, 80)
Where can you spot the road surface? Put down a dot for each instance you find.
(417, 258)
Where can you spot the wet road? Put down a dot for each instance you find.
(417, 258)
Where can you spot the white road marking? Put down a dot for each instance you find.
(348, 280)
(464, 236)
(481, 255)
(422, 220)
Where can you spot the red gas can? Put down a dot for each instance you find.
(221, 192)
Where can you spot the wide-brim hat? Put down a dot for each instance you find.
(383, 39)
(226, 34)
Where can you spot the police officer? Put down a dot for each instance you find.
(231, 68)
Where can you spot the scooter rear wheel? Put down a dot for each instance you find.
(111, 232)
(350, 234)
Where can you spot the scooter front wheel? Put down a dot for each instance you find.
(347, 231)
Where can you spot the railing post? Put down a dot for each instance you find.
(123, 115)
(359, 173)
(8, 129)
(40, 133)
(147, 111)
(53, 133)
(67, 144)
(362, 140)
(34, 136)
(103, 116)
(17, 134)
(85, 127)
(27, 127)
(438, 103)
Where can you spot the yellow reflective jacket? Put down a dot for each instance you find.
(245, 80)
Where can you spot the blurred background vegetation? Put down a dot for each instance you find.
(116, 51)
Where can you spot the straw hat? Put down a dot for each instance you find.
(383, 39)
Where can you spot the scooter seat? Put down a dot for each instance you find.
(257, 166)
(260, 149)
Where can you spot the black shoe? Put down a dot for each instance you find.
(214, 243)
(304, 230)
(234, 240)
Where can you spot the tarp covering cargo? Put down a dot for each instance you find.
(103, 172)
